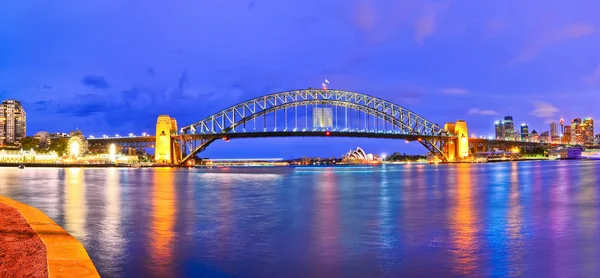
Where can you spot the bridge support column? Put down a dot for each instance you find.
(166, 150)
(450, 146)
(462, 139)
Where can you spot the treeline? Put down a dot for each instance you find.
(404, 157)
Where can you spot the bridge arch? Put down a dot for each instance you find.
(234, 119)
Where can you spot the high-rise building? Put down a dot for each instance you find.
(509, 128)
(554, 132)
(566, 139)
(587, 131)
(576, 136)
(12, 122)
(524, 132)
(499, 128)
(553, 129)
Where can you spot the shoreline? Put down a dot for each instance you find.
(63, 255)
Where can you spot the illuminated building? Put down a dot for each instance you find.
(499, 128)
(524, 132)
(509, 128)
(12, 122)
(358, 154)
(597, 139)
(534, 136)
(566, 139)
(554, 132)
(576, 136)
(322, 117)
(587, 131)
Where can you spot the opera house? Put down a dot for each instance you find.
(358, 155)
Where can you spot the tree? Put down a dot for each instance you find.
(29, 143)
(59, 145)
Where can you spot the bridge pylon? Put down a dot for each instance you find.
(457, 148)
(166, 149)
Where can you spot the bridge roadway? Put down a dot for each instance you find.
(148, 141)
(479, 144)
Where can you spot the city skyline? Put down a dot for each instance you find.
(117, 72)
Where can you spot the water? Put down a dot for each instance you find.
(503, 219)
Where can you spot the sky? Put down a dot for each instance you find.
(113, 66)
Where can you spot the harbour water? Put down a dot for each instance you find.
(537, 218)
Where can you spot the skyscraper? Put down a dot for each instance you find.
(576, 136)
(567, 135)
(12, 122)
(553, 132)
(524, 132)
(509, 128)
(587, 131)
(499, 128)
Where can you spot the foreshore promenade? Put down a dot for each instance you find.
(33, 245)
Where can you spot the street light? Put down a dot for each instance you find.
(130, 134)
(117, 135)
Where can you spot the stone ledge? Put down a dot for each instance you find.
(66, 255)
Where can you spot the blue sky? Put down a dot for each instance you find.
(112, 66)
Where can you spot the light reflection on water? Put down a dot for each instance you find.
(504, 219)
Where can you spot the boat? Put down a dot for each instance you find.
(21, 166)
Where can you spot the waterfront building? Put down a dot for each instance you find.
(509, 128)
(358, 155)
(566, 153)
(12, 122)
(587, 131)
(524, 132)
(576, 136)
(499, 128)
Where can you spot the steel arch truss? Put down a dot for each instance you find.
(234, 118)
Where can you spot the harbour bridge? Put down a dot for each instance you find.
(302, 113)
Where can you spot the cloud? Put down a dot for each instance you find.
(543, 109)
(365, 15)
(426, 23)
(94, 81)
(550, 37)
(454, 91)
(483, 112)
(251, 5)
(594, 77)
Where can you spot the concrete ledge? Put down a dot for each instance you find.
(66, 255)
